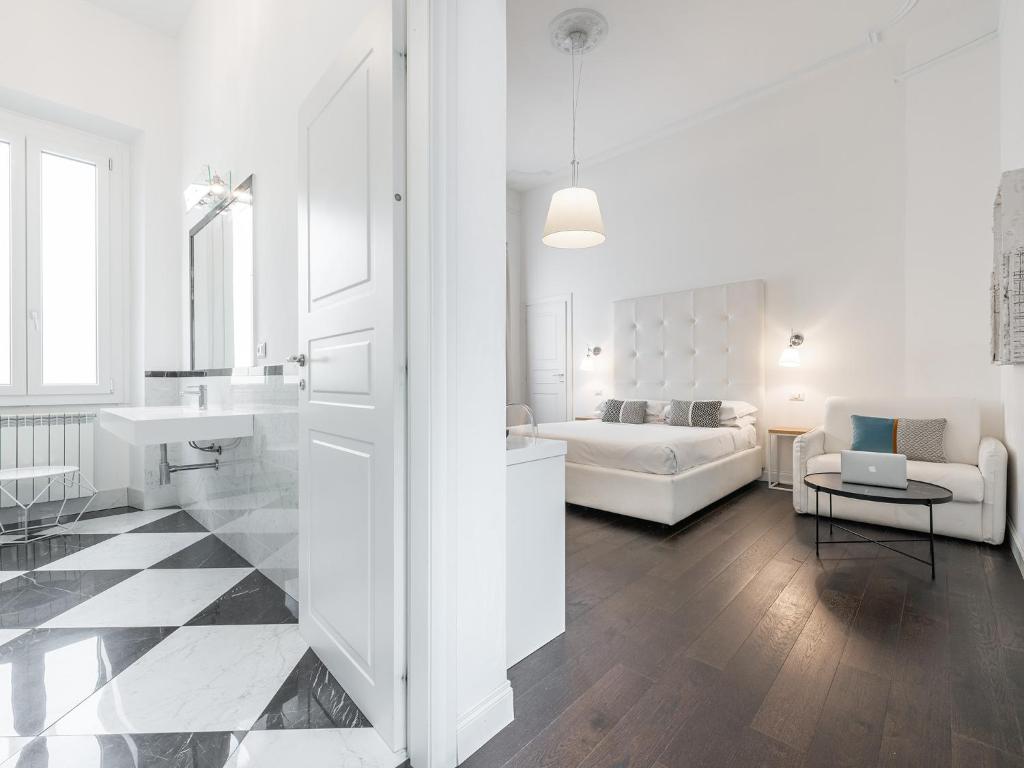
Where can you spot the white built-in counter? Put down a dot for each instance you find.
(536, 545)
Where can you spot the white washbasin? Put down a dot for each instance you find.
(148, 425)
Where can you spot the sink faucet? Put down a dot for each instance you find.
(199, 390)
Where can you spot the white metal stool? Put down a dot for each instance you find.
(66, 476)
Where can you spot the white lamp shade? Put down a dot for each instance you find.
(587, 363)
(790, 358)
(574, 219)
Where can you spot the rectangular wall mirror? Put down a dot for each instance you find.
(221, 290)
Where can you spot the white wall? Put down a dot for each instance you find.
(952, 172)
(865, 205)
(246, 67)
(1011, 50)
(799, 189)
(74, 63)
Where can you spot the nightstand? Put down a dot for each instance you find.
(774, 433)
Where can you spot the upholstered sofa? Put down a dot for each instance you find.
(975, 470)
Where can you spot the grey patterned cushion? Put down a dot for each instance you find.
(921, 439)
(633, 412)
(705, 413)
(679, 413)
(612, 408)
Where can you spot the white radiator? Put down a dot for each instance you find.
(39, 439)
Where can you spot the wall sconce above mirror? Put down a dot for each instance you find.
(221, 289)
(207, 189)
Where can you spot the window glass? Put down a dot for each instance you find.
(67, 237)
(6, 298)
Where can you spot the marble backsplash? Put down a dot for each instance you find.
(251, 501)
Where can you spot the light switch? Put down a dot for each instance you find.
(261, 350)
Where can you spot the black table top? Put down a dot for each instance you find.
(917, 492)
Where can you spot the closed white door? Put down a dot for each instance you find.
(352, 389)
(547, 331)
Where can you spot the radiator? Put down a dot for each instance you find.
(38, 439)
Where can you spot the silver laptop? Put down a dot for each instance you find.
(888, 470)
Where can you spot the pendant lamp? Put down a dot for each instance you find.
(574, 215)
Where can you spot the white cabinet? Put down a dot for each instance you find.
(536, 546)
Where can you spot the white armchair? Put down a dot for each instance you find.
(975, 471)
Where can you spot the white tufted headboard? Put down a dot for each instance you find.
(701, 344)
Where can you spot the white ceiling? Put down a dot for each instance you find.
(668, 61)
(164, 16)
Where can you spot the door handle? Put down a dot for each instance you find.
(300, 359)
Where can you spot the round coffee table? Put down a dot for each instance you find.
(917, 492)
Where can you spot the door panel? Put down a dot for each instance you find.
(352, 408)
(339, 244)
(341, 579)
(343, 367)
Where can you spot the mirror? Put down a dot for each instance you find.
(221, 290)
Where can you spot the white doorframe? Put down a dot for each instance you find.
(570, 371)
(449, 59)
(432, 659)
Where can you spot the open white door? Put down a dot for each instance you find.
(352, 394)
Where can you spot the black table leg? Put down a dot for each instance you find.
(830, 515)
(817, 504)
(931, 538)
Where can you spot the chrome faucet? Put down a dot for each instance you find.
(199, 390)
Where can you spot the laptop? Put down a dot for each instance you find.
(888, 470)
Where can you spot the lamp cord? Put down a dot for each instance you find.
(577, 86)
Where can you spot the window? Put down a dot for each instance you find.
(61, 271)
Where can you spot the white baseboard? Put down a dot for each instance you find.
(153, 498)
(481, 723)
(1016, 546)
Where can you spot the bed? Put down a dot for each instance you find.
(701, 344)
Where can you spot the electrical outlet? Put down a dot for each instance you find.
(261, 350)
(797, 397)
(598, 392)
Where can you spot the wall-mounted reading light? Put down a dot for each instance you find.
(587, 363)
(790, 357)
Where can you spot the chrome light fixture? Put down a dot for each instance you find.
(207, 189)
(574, 215)
(790, 357)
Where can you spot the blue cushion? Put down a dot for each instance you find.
(871, 433)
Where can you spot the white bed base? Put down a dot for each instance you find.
(661, 498)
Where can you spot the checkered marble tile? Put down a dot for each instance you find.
(141, 639)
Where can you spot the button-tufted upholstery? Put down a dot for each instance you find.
(701, 344)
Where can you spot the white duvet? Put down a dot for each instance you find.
(658, 449)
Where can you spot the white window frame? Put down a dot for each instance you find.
(29, 138)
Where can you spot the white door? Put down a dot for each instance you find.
(352, 392)
(547, 330)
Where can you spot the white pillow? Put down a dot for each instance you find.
(734, 409)
(740, 421)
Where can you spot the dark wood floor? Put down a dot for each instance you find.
(724, 642)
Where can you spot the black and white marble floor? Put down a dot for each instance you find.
(140, 640)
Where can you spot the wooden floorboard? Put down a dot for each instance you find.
(724, 641)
